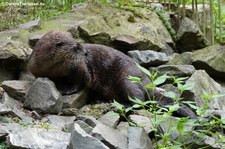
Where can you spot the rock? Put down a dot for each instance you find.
(125, 39)
(215, 113)
(80, 140)
(142, 121)
(16, 109)
(16, 89)
(91, 121)
(204, 142)
(27, 76)
(26, 137)
(168, 123)
(201, 81)
(170, 88)
(176, 70)
(138, 139)
(211, 59)
(4, 109)
(8, 34)
(19, 113)
(36, 24)
(203, 17)
(10, 49)
(181, 59)
(111, 137)
(190, 37)
(10, 102)
(44, 97)
(96, 110)
(123, 128)
(33, 39)
(107, 28)
(77, 100)
(70, 127)
(149, 58)
(58, 121)
(1, 92)
(69, 112)
(13, 56)
(110, 119)
(4, 119)
(3, 134)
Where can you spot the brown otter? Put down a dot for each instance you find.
(103, 69)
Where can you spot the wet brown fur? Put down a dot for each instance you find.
(100, 68)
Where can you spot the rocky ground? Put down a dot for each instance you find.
(33, 114)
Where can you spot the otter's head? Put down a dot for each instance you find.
(55, 54)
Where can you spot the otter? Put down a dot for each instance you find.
(100, 68)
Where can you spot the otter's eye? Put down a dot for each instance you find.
(60, 44)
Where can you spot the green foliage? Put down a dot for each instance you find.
(206, 123)
(12, 15)
(166, 21)
(33, 124)
(3, 145)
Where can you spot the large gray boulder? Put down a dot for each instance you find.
(16, 89)
(13, 55)
(110, 119)
(106, 25)
(142, 121)
(4, 109)
(201, 81)
(176, 70)
(44, 97)
(181, 59)
(111, 137)
(28, 137)
(58, 122)
(15, 108)
(211, 59)
(149, 58)
(81, 140)
(138, 139)
(77, 100)
(10, 49)
(190, 37)
(35, 24)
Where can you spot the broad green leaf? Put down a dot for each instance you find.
(180, 80)
(146, 71)
(160, 80)
(118, 105)
(150, 102)
(149, 86)
(180, 124)
(185, 87)
(136, 106)
(174, 107)
(128, 109)
(137, 101)
(223, 121)
(193, 106)
(171, 94)
(134, 79)
(218, 95)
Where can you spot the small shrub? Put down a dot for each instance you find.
(187, 128)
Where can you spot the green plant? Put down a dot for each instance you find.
(3, 145)
(185, 127)
(11, 16)
(33, 124)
